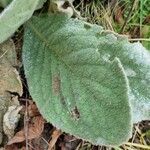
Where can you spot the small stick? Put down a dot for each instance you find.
(55, 135)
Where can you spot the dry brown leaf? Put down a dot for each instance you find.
(10, 120)
(9, 79)
(34, 131)
(69, 142)
(55, 135)
(11, 147)
(33, 110)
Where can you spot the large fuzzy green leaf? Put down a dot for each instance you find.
(136, 61)
(15, 15)
(76, 88)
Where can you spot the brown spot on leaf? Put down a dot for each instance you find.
(62, 99)
(56, 85)
(75, 113)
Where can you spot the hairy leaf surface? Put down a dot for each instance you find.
(4, 3)
(136, 61)
(75, 88)
(15, 15)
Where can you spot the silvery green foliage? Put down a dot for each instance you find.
(40, 4)
(136, 62)
(4, 3)
(87, 82)
(15, 14)
(75, 87)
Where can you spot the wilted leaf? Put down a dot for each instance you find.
(11, 147)
(9, 78)
(34, 131)
(75, 88)
(10, 120)
(33, 110)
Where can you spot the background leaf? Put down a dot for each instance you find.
(9, 79)
(4, 3)
(15, 15)
(75, 88)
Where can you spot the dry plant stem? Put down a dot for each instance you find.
(78, 147)
(45, 140)
(55, 135)
(26, 126)
(135, 133)
(114, 33)
(76, 13)
(31, 147)
(129, 14)
(146, 147)
(140, 39)
(3, 54)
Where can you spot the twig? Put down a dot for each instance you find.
(55, 135)
(26, 126)
(3, 54)
(140, 39)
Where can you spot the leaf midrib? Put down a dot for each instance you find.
(41, 37)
